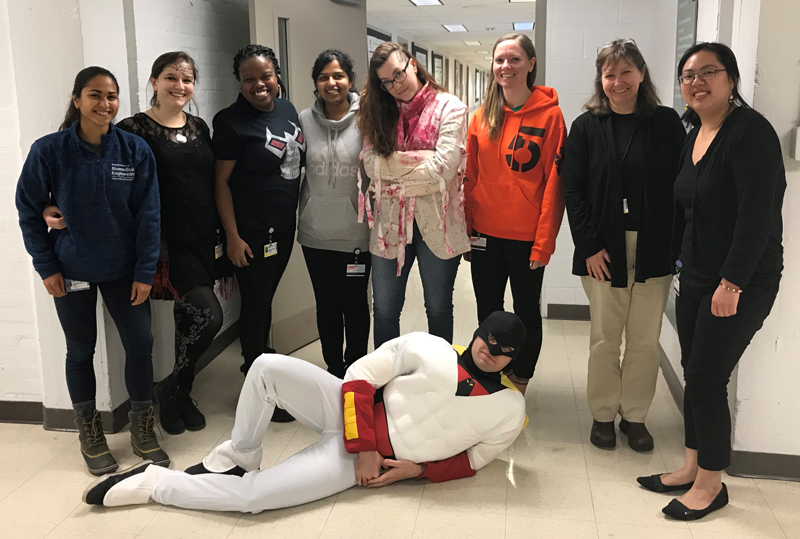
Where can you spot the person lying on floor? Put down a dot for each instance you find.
(413, 408)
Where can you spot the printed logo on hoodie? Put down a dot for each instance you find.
(340, 165)
(289, 146)
(525, 152)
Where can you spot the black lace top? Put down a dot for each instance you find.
(185, 162)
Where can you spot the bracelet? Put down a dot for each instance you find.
(729, 289)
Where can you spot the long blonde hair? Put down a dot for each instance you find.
(492, 116)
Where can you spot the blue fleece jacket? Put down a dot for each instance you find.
(110, 205)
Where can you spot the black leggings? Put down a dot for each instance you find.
(258, 283)
(198, 319)
(710, 349)
(342, 305)
(491, 270)
(77, 312)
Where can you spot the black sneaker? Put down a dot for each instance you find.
(199, 468)
(603, 434)
(94, 493)
(94, 447)
(282, 416)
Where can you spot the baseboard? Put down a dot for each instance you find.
(20, 412)
(765, 465)
(559, 311)
(671, 377)
(114, 421)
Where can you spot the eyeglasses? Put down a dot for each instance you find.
(626, 41)
(706, 74)
(400, 77)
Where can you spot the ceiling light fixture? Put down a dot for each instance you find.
(523, 26)
(455, 28)
(482, 52)
(426, 2)
(520, 1)
(487, 57)
(473, 43)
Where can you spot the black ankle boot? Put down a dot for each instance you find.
(192, 418)
(94, 447)
(603, 434)
(143, 437)
(169, 409)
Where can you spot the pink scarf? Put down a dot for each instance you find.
(417, 129)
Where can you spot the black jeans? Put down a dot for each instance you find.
(342, 306)
(710, 349)
(257, 284)
(77, 314)
(491, 270)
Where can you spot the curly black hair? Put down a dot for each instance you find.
(253, 50)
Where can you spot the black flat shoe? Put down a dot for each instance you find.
(198, 469)
(653, 482)
(603, 434)
(677, 510)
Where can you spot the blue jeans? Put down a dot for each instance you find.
(76, 312)
(389, 291)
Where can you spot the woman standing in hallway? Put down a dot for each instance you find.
(259, 149)
(514, 205)
(104, 180)
(620, 163)
(334, 242)
(729, 195)
(181, 144)
(414, 156)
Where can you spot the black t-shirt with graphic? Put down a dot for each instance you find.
(269, 149)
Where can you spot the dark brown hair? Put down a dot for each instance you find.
(493, 111)
(168, 59)
(82, 79)
(622, 49)
(378, 114)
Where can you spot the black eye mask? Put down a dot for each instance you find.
(507, 331)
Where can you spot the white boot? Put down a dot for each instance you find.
(224, 458)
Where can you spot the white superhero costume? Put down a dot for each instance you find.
(435, 409)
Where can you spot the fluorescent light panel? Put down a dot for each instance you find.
(473, 43)
(520, 1)
(455, 28)
(482, 52)
(426, 2)
(487, 57)
(523, 26)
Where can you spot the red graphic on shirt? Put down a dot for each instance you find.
(525, 152)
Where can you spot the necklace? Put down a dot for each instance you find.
(180, 137)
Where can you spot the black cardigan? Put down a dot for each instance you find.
(592, 184)
(737, 226)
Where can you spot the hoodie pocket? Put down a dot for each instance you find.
(326, 218)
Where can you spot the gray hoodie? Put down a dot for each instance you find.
(329, 194)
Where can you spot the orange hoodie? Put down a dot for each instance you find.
(513, 186)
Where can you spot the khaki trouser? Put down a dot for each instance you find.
(628, 387)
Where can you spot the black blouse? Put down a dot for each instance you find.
(728, 211)
(185, 162)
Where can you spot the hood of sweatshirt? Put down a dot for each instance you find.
(329, 193)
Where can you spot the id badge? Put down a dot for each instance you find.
(75, 286)
(356, 270)
(478, 243)
(218, 252)
(676, 284)
(271, 249)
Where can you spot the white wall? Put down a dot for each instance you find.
(20, 368)
(767, 398)
(575, 29)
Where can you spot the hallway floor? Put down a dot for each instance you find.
(551, 483)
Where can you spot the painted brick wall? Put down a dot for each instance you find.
(575, 29)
